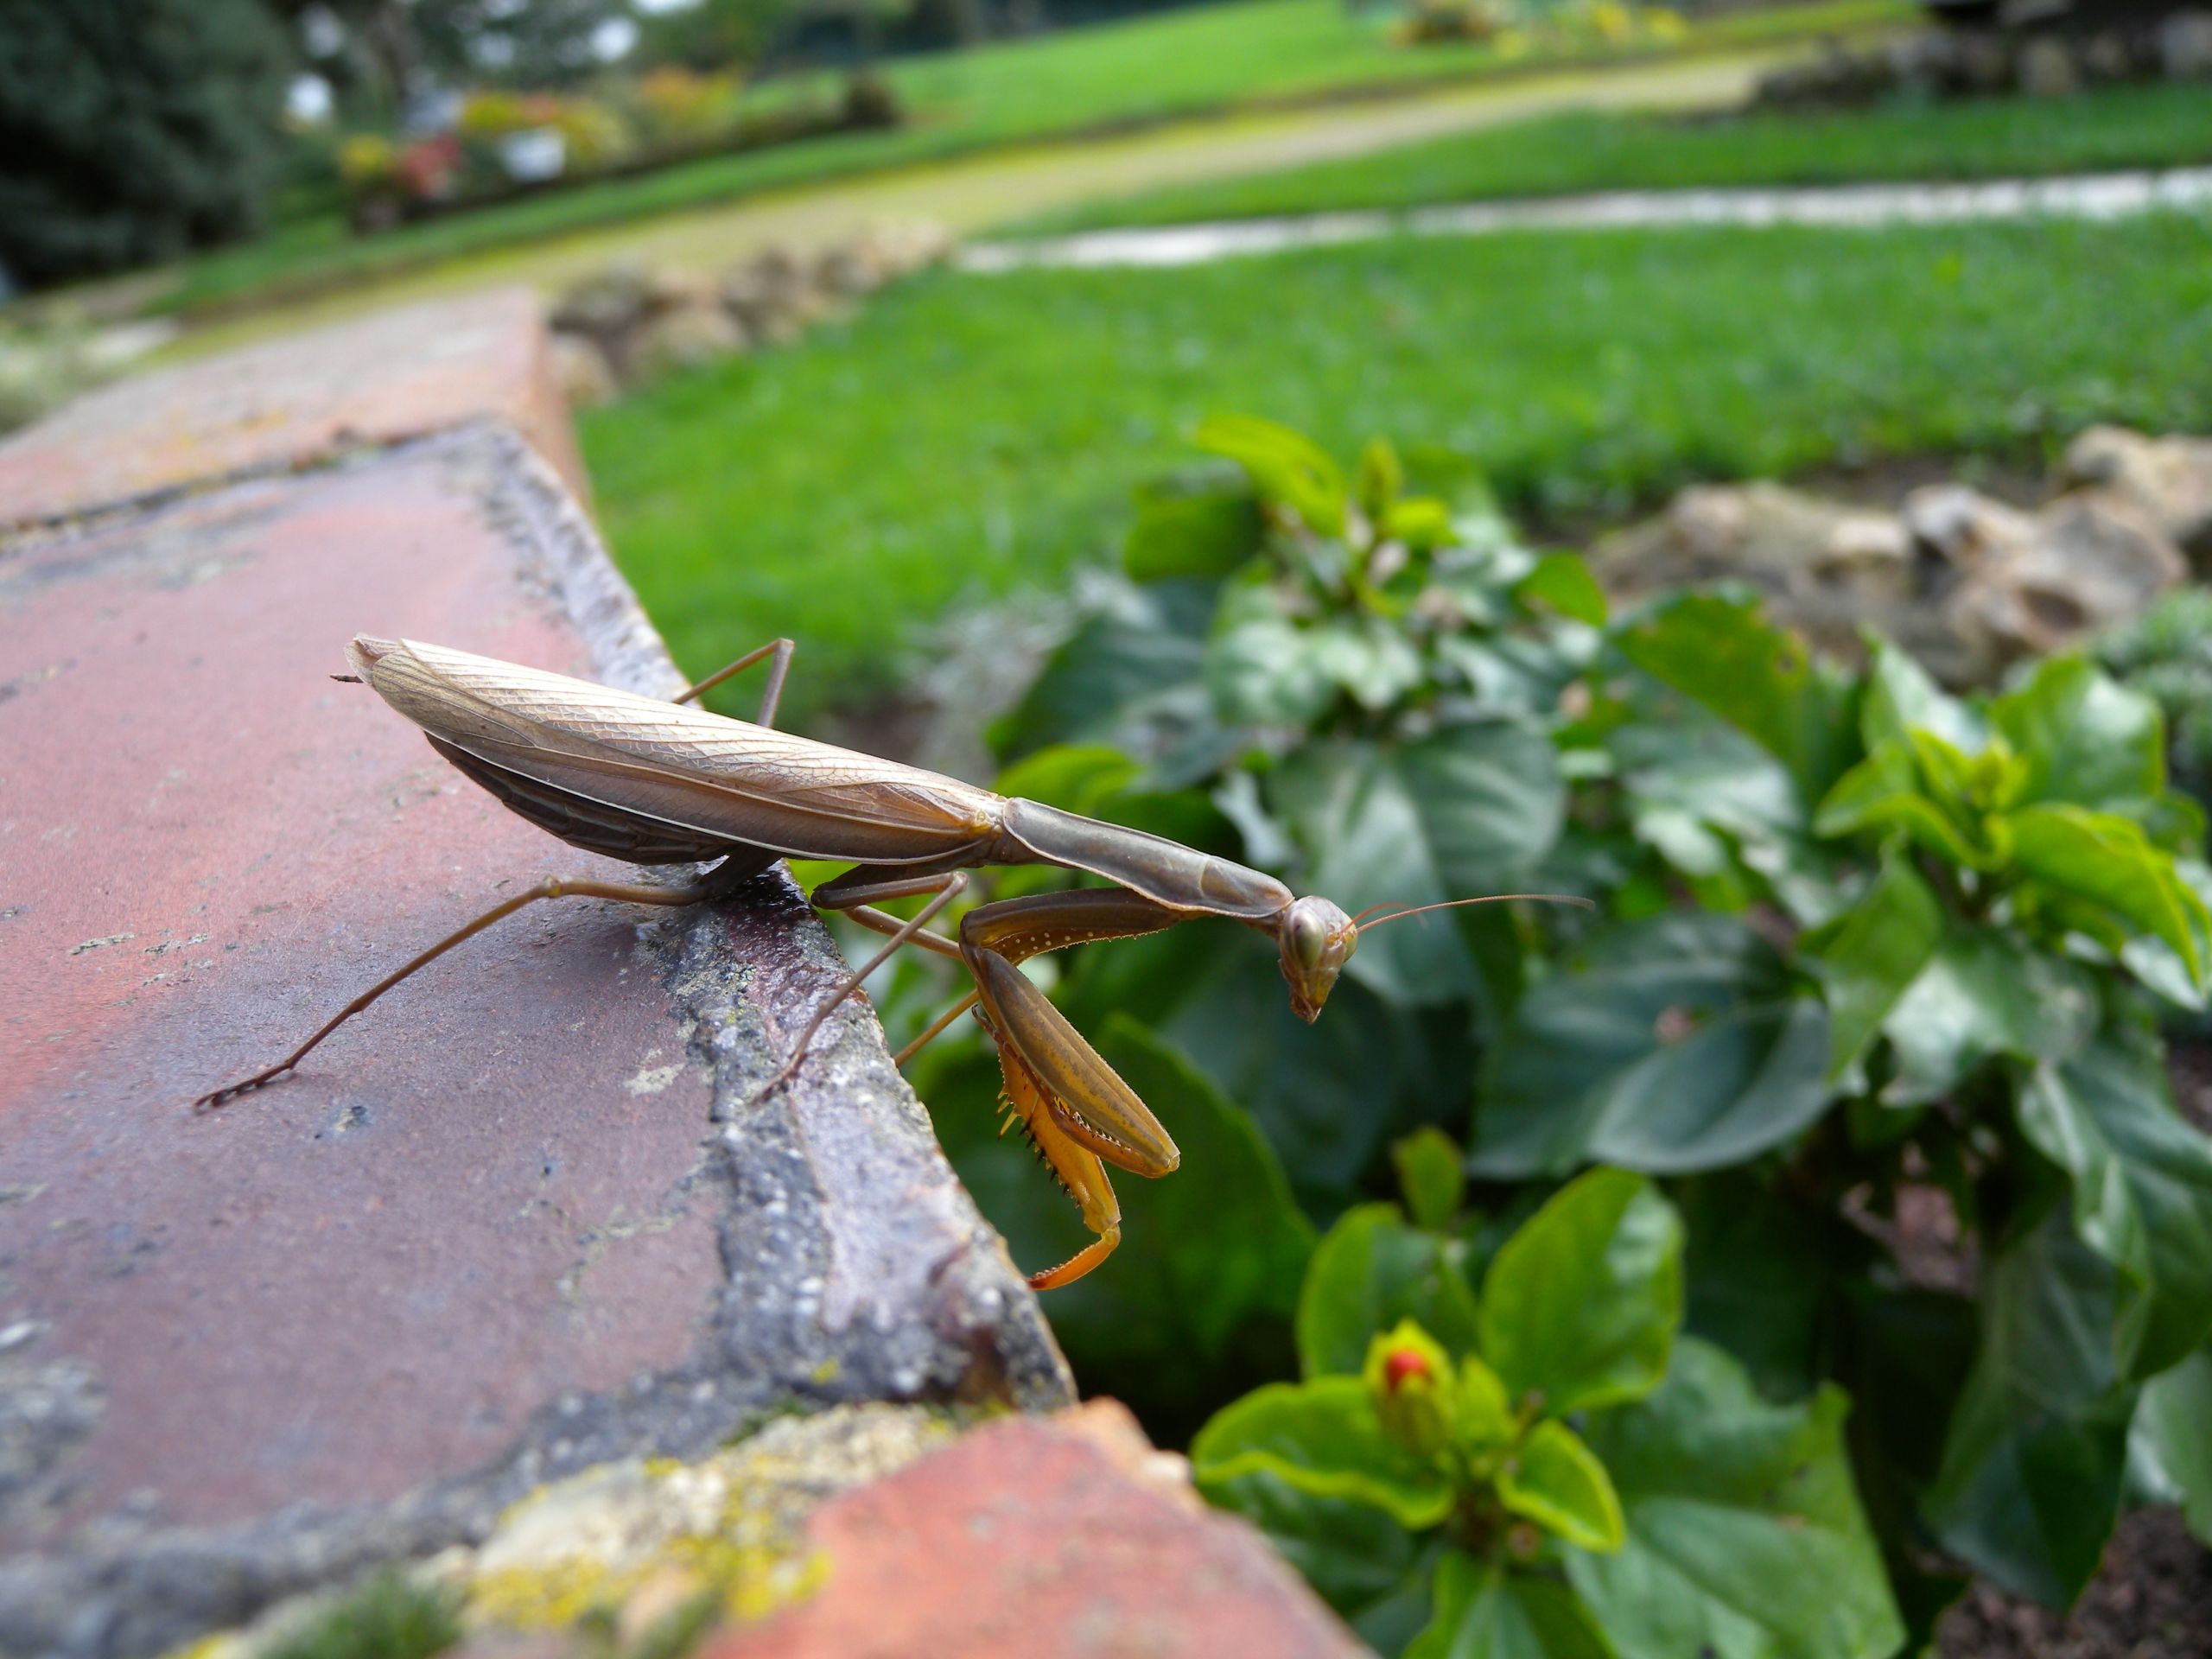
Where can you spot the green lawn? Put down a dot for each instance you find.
(2114, 127)
(1209, 58)
(967, 436)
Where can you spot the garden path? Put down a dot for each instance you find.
(2091, 195)
(970, 194)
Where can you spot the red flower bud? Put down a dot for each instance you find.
(1401, 1364)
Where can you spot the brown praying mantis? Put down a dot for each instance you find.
(662, 783)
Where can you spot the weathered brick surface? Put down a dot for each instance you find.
(1028, 1538)
(519, 1217)
(293, 401)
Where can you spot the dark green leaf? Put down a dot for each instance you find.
(1867, 957)
(2031, 1478)
(1985, 993)
(1369, 1271)
(1214, 990)
(1432, 1174)
(2086, 740)
(1553, 1480)
(2109, 861)
(1746, 1540)
(1671, 1044)
(1723, 654)
(1135, 660)
(1207, 1276)
(1364, 1564)
(1321, 1437)
(1468, 810)
(2142, 1192)
(2175, 1421)
(1580, 1307)
(1201, 527)
(1485, 1612)
(1758, 1270)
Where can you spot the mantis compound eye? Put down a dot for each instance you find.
(1309, 938)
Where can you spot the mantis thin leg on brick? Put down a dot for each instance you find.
(655, 782)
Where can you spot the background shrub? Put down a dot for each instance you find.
(134, 130)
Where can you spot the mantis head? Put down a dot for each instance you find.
(1317, 938)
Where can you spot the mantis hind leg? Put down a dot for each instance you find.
(559, 887)
(771, 694)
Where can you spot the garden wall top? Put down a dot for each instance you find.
(294, 402)
(523, 1215)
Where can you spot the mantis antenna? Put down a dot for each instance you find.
(1454, 904)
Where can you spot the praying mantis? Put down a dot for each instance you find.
(654, 782)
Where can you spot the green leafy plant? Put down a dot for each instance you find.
(1560, 1474)
(1873, 986)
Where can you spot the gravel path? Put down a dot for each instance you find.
(2090, 195)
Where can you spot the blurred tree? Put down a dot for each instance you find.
(539, 44)
(131, 130)
(713, 34)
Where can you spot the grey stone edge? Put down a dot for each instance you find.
(853, 1265)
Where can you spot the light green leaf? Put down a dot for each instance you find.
(1321, 1437)
(2175, 1419)
(1669, 1045)
(1285, 467)
(1985, 993)
(1485, 1612)
(1484, 1416)
(1369, 1271)
(1554, 1481)
(1466, 810)
(1580, 1307)
(2110, 863)
(1078, 777)
(1867, 957)
(1886, 791)
(1260, 667)
(1744, 1536)
(2086, 740)
(1901, 699)
(2142, 1192)
(1371, 659)
(2030, 1477)
(1432, 1174)
(1563, 582)
(1723, 654)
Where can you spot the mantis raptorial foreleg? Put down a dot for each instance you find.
(1075, 1110)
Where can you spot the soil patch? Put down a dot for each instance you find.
(2151, 1600)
